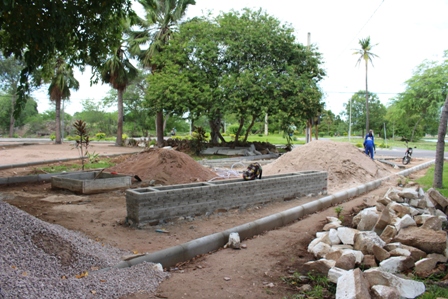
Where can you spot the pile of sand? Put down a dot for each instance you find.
(164, 166)
(346, 165)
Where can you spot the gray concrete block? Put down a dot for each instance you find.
(156, 203)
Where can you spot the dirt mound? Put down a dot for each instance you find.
(165, 166)
(345, 163)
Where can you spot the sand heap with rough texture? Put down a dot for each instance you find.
(346, 165)
(164, 166)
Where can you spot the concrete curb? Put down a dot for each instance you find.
(28, 164)
(171, 256)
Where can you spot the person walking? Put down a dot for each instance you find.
(369, 144)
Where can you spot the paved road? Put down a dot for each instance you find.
(399, 152)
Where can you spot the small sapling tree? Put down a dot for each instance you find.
(82, 140)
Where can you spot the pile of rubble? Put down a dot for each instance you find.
(400, 237)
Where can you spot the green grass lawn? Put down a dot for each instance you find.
(77, 166)
(427, 180)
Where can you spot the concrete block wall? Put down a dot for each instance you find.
(90, 182)
(150, 204)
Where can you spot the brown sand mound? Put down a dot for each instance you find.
(165, 166)
(345, 163)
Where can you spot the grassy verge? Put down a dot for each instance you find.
(76, 166)
(427, 180)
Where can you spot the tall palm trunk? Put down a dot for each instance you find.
(440, 148)
(58, 121)
(367, 103)
(119, 140)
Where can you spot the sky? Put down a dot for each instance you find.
(405, 33)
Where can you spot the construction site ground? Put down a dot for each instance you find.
(256, 271)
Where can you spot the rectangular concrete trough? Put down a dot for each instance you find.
(156, 203)
(90, 182)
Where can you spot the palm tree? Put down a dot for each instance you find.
(162, 19)
(118, 71)
(365, 54)
(60, 84)
(440, 149)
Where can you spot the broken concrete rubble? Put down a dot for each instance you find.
(402, 233)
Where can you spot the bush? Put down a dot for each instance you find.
(52, 136)
(100, 136)
(71, 138)
(383, 145)
(360, 145)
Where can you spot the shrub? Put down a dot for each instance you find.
(52, 136)
(72, 138)
(100, 136)
(198, 140)
(383, 145)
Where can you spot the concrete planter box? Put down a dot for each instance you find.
(85, 182)
(146, 205)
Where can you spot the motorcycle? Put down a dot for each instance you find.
(408, 154)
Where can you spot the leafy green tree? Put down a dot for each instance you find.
(162, 19)
(139, 116)
(358, 113)
(40, 30)
(118, 71)
(425, 100)
(98, 120)
(6, 110)
(365, 54)
(416, 111)
(205, 73)
(59, 74)
(265, 70)
(327, 122)
(9, 80)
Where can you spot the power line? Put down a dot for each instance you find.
(361, 29)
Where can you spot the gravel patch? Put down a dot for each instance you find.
(42, 260)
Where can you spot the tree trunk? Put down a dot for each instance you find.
(249, 128)
(238, 132)
(119, 140)
(413, 130)
(266, 131)
(58, 122)
(440, 148)
(215, 127)
(12, 120)
(367, 102)
(159, 128)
